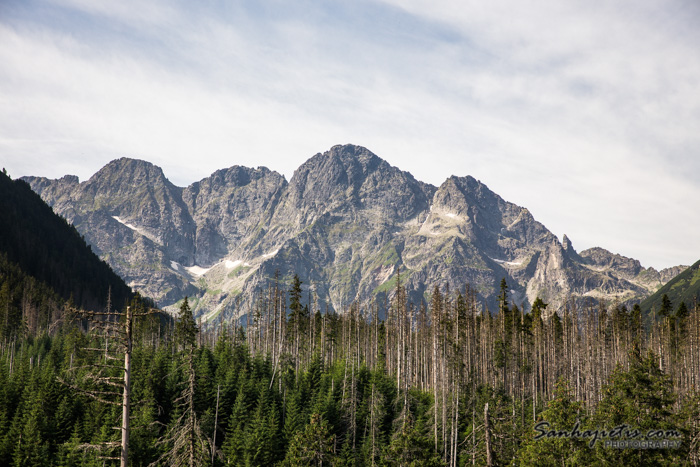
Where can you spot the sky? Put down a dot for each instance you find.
(587, 113)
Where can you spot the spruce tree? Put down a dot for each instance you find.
(185, 444)
(666, 307)
(313, 446)
(186, 328)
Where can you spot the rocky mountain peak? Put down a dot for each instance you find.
(334, 171)
(466, 192)
(53, 191)
(351, 178)
(69, 179)
(132, 188)
(138, 191)
(238, 176)
(354, 156)
(569, 250)
(601, 259)
(566, 243)
(227, 206)
(227, 180)
(487, 214)
(126, 172)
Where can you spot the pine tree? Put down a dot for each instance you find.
(666, 306)
(411, 446)
(298, 319)
(186, 328)
(313, 446)
(262, 438)
(689, 423)
(234, 444)
(31, 450)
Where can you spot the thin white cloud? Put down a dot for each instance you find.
(586, 114)
(133, 13)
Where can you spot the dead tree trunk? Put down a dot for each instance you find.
(487, 435)
(126, 399)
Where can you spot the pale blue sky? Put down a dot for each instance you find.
(588, 115)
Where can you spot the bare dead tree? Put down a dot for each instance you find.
(107, 379)
(185, 442)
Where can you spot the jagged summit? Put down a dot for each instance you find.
(351, 181)
(566, 243)
(127, 171)
(346, 223)
(69, 179)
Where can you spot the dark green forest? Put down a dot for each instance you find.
(438, 383)
(49, 249)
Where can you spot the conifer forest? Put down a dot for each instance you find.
(445, 382)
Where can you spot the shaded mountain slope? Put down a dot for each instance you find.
(47, 248)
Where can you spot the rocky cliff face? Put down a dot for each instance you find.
(227, 209)
(346, 223)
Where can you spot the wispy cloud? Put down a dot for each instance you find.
(586, 114)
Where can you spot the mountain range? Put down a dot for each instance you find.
(346, 223)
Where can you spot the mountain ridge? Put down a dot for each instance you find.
(346, 222)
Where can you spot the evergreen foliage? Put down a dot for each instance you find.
(185, 327)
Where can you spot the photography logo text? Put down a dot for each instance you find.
(619, 437)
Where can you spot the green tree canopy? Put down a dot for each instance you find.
(186, 329)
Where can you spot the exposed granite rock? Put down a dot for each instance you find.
(227, 207)
(346, 223)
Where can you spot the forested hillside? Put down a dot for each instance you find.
(684, 288)
(442, 384)
(46, 248)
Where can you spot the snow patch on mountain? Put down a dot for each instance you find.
(509, 263)
(139, 230)
(197, 270)
(272, 253)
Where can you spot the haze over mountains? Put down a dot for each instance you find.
(346, 223)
